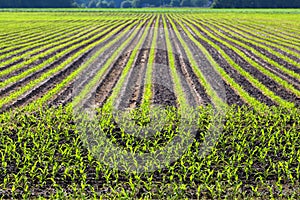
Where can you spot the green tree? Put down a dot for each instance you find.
(92, 4)
(126, 4)
(186, 3)
(136, 4)
(199, 3)
(175, 3)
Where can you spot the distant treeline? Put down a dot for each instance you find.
(142, 3)
(36, 3)
(256, 4)
(149, 3)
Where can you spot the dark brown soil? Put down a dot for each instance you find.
(233, 73)
(293, 81)
(220, 86)
(43, 87)
(134, 87)
(233, 30)
(269, 40)
(194, 91)
(163, 91)
(5, 91)
(37, 45)
(267, 81)
(108, 81)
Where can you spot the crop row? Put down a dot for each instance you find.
(212, 62)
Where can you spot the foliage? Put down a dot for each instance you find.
(36, 3)
(126, 4)
(256, 4)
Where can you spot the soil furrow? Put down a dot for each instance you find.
(66, 95)
(163, 90)
(267, 81)
(194, 91)
(134, 90)
(257, 48)
(266, 39)
(233, 73)
(52, 65)
(37, 46)
(105, 88)
(213, 78)
(19, 71)
(52, 81)
(231, 29)
(295, 82)
(231, 95)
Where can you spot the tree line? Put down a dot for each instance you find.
(149, 3)
(142, 3)
(36, 3)
(256, 4)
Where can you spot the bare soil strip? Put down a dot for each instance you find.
(163, 90)
(195, 92)
(295, 82)
(267, 81)
(135, 86)
(232, 30)
(224, 91)
(50, 83)
(261, 50)
(67, 94)
(263, 38)
(111, 78)
(239, 79)
(5, 91)
(232, 96)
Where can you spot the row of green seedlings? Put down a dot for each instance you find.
(38, 32)
(256, 64)
(103, 123)
(46, 153)
(50, 94)
(10, 32)
(21, 45)
(191, 26)
(244, 95)
(34, 29)
(33, 153)
(237, 31)
(274, 35)
(139, 115)
(21, 41)
(106, 35)
(219, 174)
(31, 57)
(250, 100)
(247, 38)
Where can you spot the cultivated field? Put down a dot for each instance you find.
(223, 82)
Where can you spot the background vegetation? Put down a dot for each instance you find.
(149, 3)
